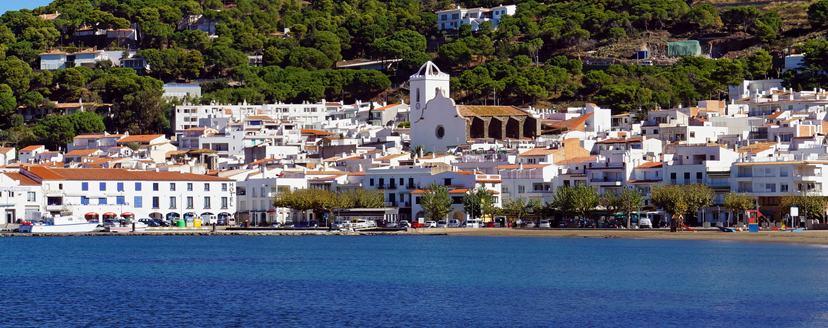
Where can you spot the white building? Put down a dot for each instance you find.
(453, 18)
(146, 194)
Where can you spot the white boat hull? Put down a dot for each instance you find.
(62, 228)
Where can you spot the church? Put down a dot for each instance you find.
(437, 123)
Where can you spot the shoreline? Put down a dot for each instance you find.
(807, 237)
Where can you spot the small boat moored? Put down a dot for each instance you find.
(60, 224)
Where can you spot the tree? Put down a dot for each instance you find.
(736, 202)
(140, 113)
(670, 199)
(759, 64)
(818, 13)
(516, 207)
(629, 200)
(809, 206)
(681, 199)
(475, 200)
(308, 58)
(191, 64)
(585, 200)
(564, 200)
(455, 53)
(16, 74)
(436, 201)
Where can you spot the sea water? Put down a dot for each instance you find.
(409, 281)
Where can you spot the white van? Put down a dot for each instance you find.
(474, 223)
(207, 219)
(645, 223)
(453, 223)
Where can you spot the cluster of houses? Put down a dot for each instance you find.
(232, 160)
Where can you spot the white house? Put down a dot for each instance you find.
(453, 18)
(96, 192)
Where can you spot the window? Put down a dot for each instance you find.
(783, 187)
(521, 189)
(102, 186)
(156, 203)
(447, 182)
(137, 186)
(418, 91)
(224, 202)
(138, 202)
(455, 16)
(84, 200)
(60, 186)
(381, 182)
(102, 201)
(442, 17)
(417, 200)
(402, 181)
(223, 187)
(254, 191)
(189, 202)
(120, 186)
(440, 132)
(457, 200)
(371, 182)
(172, 186)
(155, 186)
(189, 186)
(172, 202)
(783, 172)
(120, 200)
(30, 196)
(85, 186)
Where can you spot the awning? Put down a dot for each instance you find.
(110, 214)
(91, 214)
(271, 211)
(127, 214)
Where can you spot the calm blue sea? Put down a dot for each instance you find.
(408, 281)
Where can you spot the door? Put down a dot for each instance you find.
(10, 216)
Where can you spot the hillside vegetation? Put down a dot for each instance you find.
(532, 58)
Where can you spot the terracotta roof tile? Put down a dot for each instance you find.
(140, 138)
(385, 107)
(117, 174)
(476, 110)
(82, 152)
(32, 148)
(650, 165)
(538, 152)
(24, 180)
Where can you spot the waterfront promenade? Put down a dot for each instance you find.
(817, 237)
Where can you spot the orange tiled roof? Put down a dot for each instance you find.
(32, 148)
(315, 132)
(82, 152)
(477, 110)
(24, 180)
(538, 152)
(140, 138)
(776, 115)
(383, 107)
(577, 160)
(649, 165)
(4, 150)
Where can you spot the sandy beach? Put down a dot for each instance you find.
(804, 237)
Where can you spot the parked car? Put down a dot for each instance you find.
(543, 224)
(590, 224)
(341, 225)
(391, 224)
(530, 224)
(645, 223)
(501, 221)
(474, 223)
(417, 224)
(563, 224)
(303, 224)
(442, 224)
(430, 224)
(382, 223)
(313, 224)
(489, 224)
(453, 223)
(150, 222)
(404, 224)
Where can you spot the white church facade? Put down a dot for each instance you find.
(437, 123)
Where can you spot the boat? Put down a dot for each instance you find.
(128, 227)
(60, 224)
(726, 229)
